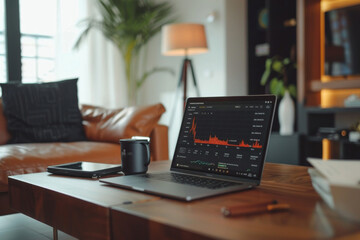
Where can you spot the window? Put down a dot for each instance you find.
(41, 37)
(2, 43)
(38, 29)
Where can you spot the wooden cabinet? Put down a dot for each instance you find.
(285, 149)
(320, 98)
(314, 87)
(328, 146)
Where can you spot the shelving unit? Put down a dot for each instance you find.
(335, 85)
(312, 118)
(271, 32)
(314, 87)
(319, 97)
(318, 110)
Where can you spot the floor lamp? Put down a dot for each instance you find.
(184, 39)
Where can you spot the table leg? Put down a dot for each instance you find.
(55, 234)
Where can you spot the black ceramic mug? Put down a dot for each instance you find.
(135, 156)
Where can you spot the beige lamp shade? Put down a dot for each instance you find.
(183, 39)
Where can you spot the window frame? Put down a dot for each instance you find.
(12, 41)
(13, 45)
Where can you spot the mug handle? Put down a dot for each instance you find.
(148, 153)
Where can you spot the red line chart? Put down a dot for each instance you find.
(216, 141)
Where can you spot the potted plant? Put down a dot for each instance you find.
(278, 69)
(130, 24)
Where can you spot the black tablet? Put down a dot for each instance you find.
(85, 169)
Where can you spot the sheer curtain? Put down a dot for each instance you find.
(97, 62)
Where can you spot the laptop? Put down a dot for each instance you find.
(221, 148)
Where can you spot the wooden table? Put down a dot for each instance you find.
(87, 209)
(78, 206)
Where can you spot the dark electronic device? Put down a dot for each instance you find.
(333, 133)
(85, 169)
(342, 41)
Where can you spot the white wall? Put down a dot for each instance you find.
(236, 47)
(221, 71)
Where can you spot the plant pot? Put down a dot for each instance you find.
(286, 114)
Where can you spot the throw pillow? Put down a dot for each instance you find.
(110, 125)
(42, 112)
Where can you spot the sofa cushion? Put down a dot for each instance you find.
(45, 112)
(106, 125)
(36, 157)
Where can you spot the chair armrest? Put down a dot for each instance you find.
(159, 145)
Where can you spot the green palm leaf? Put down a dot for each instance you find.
(130, 24)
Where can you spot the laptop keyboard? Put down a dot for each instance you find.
(191, 180)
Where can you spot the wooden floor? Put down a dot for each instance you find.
(21, 227)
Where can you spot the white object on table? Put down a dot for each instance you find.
(338, 183)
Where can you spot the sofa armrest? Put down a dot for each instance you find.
(4, 134)
(159, 145)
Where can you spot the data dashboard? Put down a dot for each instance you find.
(224, 138)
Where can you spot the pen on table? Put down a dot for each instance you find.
(240, 208)
(243, 209)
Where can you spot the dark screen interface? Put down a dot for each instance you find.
(224, 138)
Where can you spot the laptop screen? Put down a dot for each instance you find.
(225, 135)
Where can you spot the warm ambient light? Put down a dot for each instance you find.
(330, 149)
(327, 5)
(336, 98)
(183, 39)
(326, 146)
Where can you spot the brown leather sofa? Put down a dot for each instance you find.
(103, 129)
